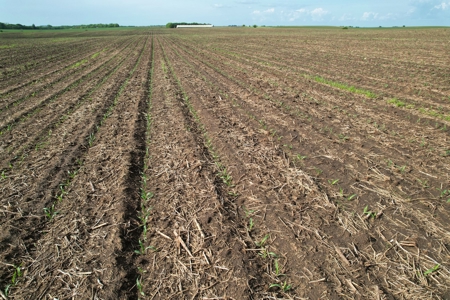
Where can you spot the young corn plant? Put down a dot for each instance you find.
(277, 269)
(91, 139)
(444, 194)
(139, 286)
(250, 224)
(248, 213)
(226, 178)
(369, 213)
(333, 181)
(432, 270)
(284, 286)
(50, 212)
(14, 280)
(300, 157)
(142, 249)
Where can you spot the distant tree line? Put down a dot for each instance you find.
(174, 25)
(20, 26)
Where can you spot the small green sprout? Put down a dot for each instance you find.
(277, 268)
(284, 286)
(265, 253)
(263, 241)
(250, 224)
(248, 212)
(146, 195)
(351, 197)
(50, 212)
(368, 212)
(300, 157)
(17, 274)
(226, 178)
(91, 139)
(139, 286)
(142, 249)
(432, 270)
(333, 181)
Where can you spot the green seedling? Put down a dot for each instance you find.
(146, 195)
(139, 286)
(333, 181)
(368, 212)
(17, 274)
(248, 212)
(62, 188)
(142, 249)
(402, 169)
(72, 174)
(343, 137)
(250, 224)
(226, 178)
(389, 163)
(445, 193)
(432, 270)
(283, 286)
(265, 253)
(50, 212)
(300, 157)
(144, 231)
(424, 183)
(3, 175)
(263, 241)
(351, 197)
(277, 268)
(7, 290)
(233, 194)
(341, 192)
(145, 213)
(91, 139)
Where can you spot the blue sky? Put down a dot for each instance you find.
(238, 12)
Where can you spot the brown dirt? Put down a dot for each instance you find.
(213, 165)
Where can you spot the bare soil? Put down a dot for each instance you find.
(225, 164)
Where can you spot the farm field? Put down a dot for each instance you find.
(225, 163)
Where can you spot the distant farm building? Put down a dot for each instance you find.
(195, 26)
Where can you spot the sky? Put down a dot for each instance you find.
(361, 13)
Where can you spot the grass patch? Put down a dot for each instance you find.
(345, 87)
(433, 113)
(95, 55)
(77, 64)
(7, 46)
(396, 102)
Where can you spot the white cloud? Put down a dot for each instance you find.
(265, 12)
(318, 12)
(315, 14)
(367, 16)
(443, 6)
(346, 17)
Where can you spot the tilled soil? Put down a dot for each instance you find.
(224, 165)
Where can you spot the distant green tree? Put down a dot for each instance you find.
(254, 26)
(174, 25)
